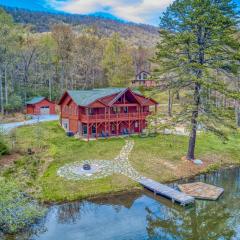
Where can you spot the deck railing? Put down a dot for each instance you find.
(115, 116)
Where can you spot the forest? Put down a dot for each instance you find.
(138, 34)
(48, 63)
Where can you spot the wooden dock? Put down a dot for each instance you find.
(201, 190)
(168, 192)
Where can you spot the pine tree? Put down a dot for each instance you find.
(198, 48)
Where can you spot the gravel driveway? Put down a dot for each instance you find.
(7, 127)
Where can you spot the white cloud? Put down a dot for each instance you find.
(141, 11)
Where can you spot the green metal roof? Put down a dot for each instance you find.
(35, 100)
(86, 97)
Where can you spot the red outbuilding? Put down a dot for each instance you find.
(40, 106)
(105, 112)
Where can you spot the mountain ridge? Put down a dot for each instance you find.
(41, 21)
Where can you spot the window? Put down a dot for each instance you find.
(90, 111)
(144, 76)
(93, 129)
(115, 109)
(125, 109)
(136, 124)
(84, 129)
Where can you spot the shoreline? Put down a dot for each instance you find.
(139, 188)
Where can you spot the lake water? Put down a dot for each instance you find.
(140, 216)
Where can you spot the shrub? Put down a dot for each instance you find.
(17, 210)
(3, 147)
(14, 103)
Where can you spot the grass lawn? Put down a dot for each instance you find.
(52, 149)
(157, 157)
(162, 99)
(160, 158)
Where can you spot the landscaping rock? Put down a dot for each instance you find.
(101, 168)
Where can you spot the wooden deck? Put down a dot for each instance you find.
(201, 190)
(168, 192)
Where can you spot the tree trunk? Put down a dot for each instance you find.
(192, 139)
(6, 86)
(237, 113)
(177, 95)
(193, 134)
(50, 88)
(1, 94)
(169, 103)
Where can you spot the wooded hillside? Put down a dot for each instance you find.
(47, 64)
(139, 34)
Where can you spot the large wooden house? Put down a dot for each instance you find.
(104, 112)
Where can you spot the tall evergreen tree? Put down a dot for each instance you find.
(198, 48)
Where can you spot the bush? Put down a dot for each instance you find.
(14, 103)
(3, 147)
(17, 210)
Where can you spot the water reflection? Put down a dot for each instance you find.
(70, 212)
(141, 216)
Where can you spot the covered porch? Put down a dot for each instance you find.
(111, 129)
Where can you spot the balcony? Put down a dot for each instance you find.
(114, 117)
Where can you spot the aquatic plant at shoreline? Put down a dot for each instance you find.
(17, 210)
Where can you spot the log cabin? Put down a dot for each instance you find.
(40, 106)
(105, 112)
(143, 79)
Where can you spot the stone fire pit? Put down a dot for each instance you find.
(90, 169)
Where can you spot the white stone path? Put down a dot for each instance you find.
(122, 164)
(119, 165)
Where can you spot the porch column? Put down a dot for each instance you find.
(117, 129)
(61, 113)
(88, 136)
(140, 119)
(109, 110)
(96, 131)
(129, 124)
(105, 123)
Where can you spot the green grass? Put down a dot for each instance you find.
(155, 157)
(52, 150)
(161, 157)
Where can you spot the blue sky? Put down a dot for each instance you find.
(140, 11)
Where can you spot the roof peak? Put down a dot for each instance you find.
(36, 99)
(86, 97)
(97, 89)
